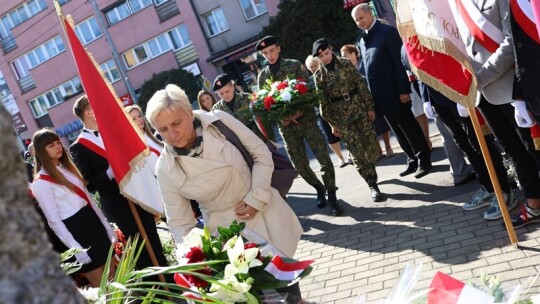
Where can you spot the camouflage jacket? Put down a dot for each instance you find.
(288, 68)
(334, 84)
(242, 112)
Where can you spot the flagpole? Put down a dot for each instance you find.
(147, 244)
(493, 176)
(134, 211)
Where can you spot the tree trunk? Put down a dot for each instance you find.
(30, 269)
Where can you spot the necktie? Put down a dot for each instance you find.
(96, 133)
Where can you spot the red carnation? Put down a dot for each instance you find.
(282, 85)
(268, 102)
(195, 255)
(301, 88)
(196, 281)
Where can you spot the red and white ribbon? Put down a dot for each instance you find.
(285, 271)
(447, 290)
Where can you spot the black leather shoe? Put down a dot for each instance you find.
(408, 170)
(321, 197)
(422, 171)
(376, 194)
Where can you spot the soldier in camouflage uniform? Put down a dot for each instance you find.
(347, 106)
(237, 104)
(300, 127)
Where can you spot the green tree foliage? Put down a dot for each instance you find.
(186, 80)
(300, 22)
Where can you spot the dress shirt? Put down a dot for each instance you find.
(59, 203)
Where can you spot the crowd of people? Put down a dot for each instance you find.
(366, 92)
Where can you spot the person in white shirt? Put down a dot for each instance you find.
(155, 145)
(68, 206)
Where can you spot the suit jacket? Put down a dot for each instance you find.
(494, 71)
(220, 179)
(527, 80)
(93, 168)
(385, 74)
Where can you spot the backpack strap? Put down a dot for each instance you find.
(233, 139)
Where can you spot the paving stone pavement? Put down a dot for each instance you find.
(367, 258)
(356, 256)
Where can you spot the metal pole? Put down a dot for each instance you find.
(119, 62)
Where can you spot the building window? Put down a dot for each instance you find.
(20, 14)
(62, 2)
(216, 22)
(159, 2)
(174, 39)
(137, 5)
(125, 9)
(110, 71)
(88, 30)
(37, 56)
(42, 103)
(253, 8)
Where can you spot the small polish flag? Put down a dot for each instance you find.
(285, 271)
(446, 290)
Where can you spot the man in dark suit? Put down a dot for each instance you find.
(380, 46)
(90, 157)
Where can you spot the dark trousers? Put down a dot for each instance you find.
(514, 141)
(463, 134)
(410, 137)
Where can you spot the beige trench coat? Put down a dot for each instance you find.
(219, 180)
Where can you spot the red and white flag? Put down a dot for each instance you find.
(125, 149)
(286, 271)
(436, 53)
(446, 290)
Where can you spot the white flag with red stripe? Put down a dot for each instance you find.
(446, 290)
(436, 53)
(286, 271)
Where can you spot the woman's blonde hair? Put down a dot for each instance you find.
(41, 139)
(172, 97)
(146, 129)
(205, 92)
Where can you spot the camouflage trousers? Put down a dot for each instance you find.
(307, 130)
(361, 141)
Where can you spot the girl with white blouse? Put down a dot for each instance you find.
(68, 206)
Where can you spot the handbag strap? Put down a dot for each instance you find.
(233, 139)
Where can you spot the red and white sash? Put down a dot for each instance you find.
(95, 144)
(478, 26)
(524, 15)
(80, 192)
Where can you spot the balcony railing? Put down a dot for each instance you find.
(8, 44)
(27, 83)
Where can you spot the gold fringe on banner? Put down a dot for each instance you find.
(536, 143)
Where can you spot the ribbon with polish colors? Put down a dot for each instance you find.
(446, 290)
(286, 271)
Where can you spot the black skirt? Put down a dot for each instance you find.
(88, 230)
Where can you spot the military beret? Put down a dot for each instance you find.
(266, 42)
(220, 81)
(319, 46)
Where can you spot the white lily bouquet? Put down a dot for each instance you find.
(229, 269)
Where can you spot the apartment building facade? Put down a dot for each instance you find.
(38, 77)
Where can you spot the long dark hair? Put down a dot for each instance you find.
(41, 140)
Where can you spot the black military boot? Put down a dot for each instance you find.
(376, 194)
(321, 196)
(332, 201)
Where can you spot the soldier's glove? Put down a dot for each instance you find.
(522, 116)
(463, 112)
(428, 110)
